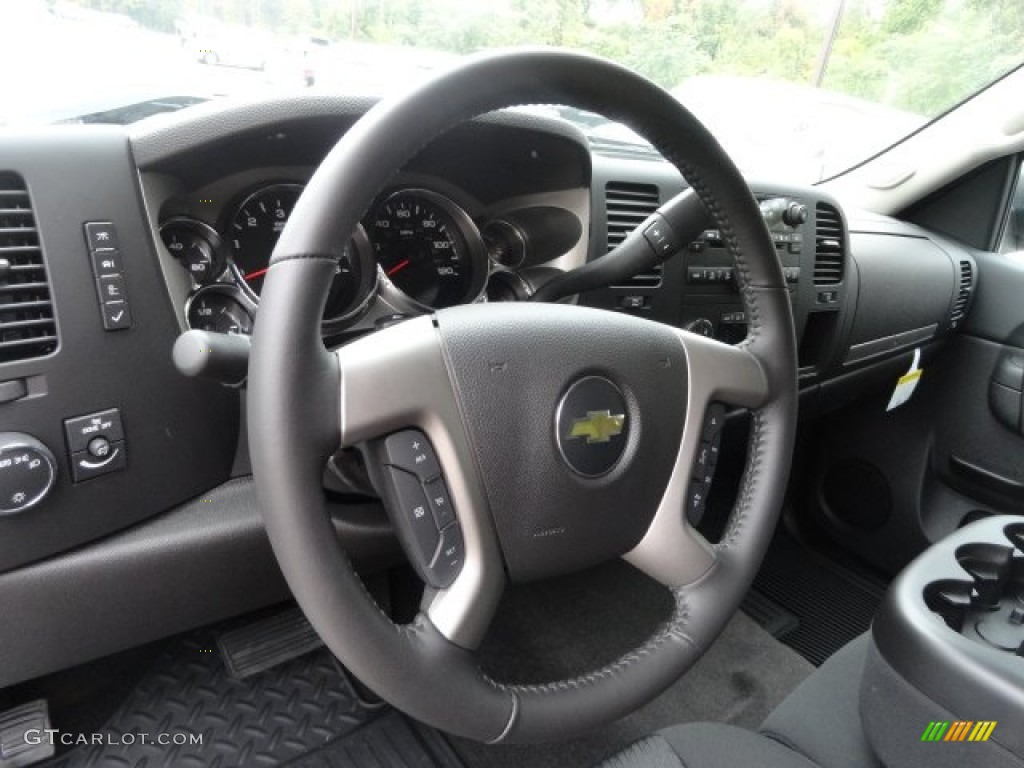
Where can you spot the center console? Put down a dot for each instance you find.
(947, 658)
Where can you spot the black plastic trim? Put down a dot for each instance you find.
(204, 561)
(996, 482)
(896, 343)
(961, 675)
(156, 143)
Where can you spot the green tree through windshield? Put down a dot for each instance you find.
(922, 56)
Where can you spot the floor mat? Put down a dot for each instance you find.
(391, 741)
(770, 616)
(573, 625)
(303, 712)
(832, 604)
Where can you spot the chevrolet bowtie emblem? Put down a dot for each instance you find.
(597, 426)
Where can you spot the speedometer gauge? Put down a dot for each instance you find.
(428, 248)
(253, 232)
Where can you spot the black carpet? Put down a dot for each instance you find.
(572, 625)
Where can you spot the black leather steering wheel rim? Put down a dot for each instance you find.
(295, 420)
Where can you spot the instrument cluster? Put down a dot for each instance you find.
(416, 246)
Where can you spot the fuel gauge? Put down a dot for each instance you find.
(218, 309)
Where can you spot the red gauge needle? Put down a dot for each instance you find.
(398, 267)
(256, 273)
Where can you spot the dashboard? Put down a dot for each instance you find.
(132, 481)
(436, 237)
(417, 250)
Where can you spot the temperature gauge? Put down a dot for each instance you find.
(196, 246)
(219, 309)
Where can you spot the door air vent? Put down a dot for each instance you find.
(828, 246)
(626, 206)
(963, 294)
(27, 326)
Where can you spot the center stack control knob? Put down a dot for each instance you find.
(27, 472)
(795, 214)
(701, 326)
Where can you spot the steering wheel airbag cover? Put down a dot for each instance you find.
(511, 364)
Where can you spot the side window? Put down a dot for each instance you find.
(1013, 235)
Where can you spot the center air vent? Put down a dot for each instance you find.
(27, 327)
(828, 246)
(963, 294)
(626, 206)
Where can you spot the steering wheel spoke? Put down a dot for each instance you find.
(672, 551)
(396, 383)
(723, 373)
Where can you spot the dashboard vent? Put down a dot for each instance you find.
(828, 246)
(27, 326)
(623, 149)
(963, 295)
(626, 206)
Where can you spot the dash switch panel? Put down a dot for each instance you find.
(96, 444)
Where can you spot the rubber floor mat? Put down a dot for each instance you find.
(831, 603)
(303, 712)
(391, 741)
(773, 618)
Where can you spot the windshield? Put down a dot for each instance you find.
(800, 89)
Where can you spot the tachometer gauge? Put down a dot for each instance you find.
(253, 232)
(255, 228)
(428, 248)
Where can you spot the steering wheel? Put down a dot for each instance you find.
(566, 435)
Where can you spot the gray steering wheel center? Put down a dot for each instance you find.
(592, 426)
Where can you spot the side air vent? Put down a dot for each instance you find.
(963, 294)
(828, 246)
(626, 206)
(27, 327)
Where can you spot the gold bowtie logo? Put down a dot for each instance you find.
(597, 426)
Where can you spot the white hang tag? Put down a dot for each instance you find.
(906, 384)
